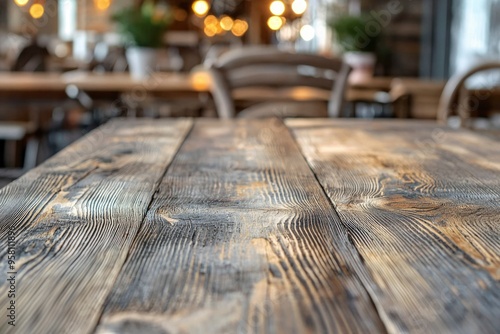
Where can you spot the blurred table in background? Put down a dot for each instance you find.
(416, 98)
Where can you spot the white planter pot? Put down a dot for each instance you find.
(363, 65)
(141, 62)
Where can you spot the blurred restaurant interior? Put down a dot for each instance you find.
(69, 66)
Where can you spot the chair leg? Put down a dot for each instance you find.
(31, 154)
(11, 154)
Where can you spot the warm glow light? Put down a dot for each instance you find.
(226, 23)
(211, 20)
(275, 22)
(220, 31)
(201, 81)
(21, 2)
(102, 4)
(200, 7)
(307, 32)
(299, 6)
(240, 27)
(36, 11)
(210, 31)
(277, 7)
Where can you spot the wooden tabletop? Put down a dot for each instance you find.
(207, 226)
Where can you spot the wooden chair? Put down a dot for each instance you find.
(13, 133)
(284, 84)
(456, 98)
(32, 58)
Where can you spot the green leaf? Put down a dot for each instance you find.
(145, 27)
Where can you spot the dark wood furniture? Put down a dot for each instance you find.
(208, 226)
(416, 98)
(456, 98)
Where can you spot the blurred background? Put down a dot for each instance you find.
(428, 38)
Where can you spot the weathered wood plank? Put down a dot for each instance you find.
(240, 238)
(75, 218)
(422, 206)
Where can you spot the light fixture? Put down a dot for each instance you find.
(200, 7)
(275, 22)
(277, 7)
(36, 11)
(21, 3)
(299, 6)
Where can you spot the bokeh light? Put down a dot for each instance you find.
(37, 11)
(240, 27)
(211, 20)
(299, 6)
(210, 31)
(275, 22)
(102, 4)
(307, 32)
(277, 7)
(200, 7)
(226, 23)
(201, 81)
(21, 2)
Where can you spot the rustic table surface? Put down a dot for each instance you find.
(206, 226)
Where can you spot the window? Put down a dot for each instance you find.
(67, 19)
(475, 32)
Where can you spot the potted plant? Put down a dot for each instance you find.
(359, 41)
(143, 28)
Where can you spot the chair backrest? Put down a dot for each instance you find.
(452, 89)
(32, 58)
(272, 68)
(112, 60)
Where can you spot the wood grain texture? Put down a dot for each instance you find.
(422, 206)
(240, 238)
(75, 218)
